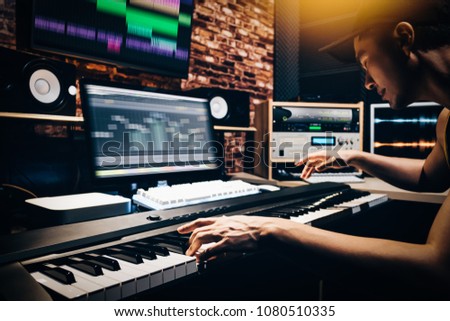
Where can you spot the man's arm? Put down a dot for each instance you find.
(431, 174)
(419, 266)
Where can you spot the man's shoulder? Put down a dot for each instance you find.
(442, 122)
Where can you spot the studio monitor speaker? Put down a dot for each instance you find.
(228, 107)
(32, 84)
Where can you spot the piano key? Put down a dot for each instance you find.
(126, 282)
(375, 199)
(316, 215)
(110, 264)
(110, 287)
(366, 201)
(66, 290)
(145, 253)
(142, 278)
(172, 243)
(85, 266)
(93, 291)
(160, 250)
(125, 255)
(187, 263)
(155, 272)
(59, 274)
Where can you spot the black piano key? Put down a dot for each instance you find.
(88, 267)
(145, 253)
(160, 250)
(59, 274)
(104, 262)
(283, 215)
(126, 255)
(173, 243)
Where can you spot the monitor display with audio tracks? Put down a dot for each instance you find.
(137, 135)
(153, 36)
(410, 132)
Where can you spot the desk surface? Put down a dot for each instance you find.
(371, 184)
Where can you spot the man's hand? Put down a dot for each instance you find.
(321, 161)
(223, 234)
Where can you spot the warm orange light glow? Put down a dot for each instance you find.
(422, 144)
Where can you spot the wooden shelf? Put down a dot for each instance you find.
(57, 118)
(235, 129)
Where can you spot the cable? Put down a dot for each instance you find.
(20, 189)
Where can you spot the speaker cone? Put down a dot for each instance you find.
(219, 107)
(44, 86)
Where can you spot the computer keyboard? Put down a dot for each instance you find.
(166, 197)
(334, 177)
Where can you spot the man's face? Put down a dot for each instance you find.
(386, 69)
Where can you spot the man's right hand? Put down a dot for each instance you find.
(323, 160)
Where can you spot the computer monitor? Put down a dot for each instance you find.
(410, 132)
(139, 136)
(154, 36)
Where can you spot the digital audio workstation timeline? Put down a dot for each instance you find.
(150, 35)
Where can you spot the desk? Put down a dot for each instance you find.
(371, 184)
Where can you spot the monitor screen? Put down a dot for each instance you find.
(137, 134)
(410, 132)
(152, 35)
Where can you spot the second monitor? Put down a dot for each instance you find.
(410, 132)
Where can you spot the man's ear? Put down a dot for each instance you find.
(404, 35)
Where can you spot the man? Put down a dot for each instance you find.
(404, 48)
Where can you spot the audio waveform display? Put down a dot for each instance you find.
(421, 145)
(421, 120)
(410, 132)
(153, 34)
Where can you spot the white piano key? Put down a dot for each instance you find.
(156, 278)
(191, 265)
(179, 266)
(371, 200)
(153, 273)
(376, 199)
(167, 268)
(141, 277)
(110, 286)
(181, 263)
(127, 283)
(66, 290)
(311, 216)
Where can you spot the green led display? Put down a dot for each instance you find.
(140, 20)
(116, 7)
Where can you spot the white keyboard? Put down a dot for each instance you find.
(166, 197)
(120, 274)
(334, 177)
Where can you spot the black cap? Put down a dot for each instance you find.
(373, 12)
